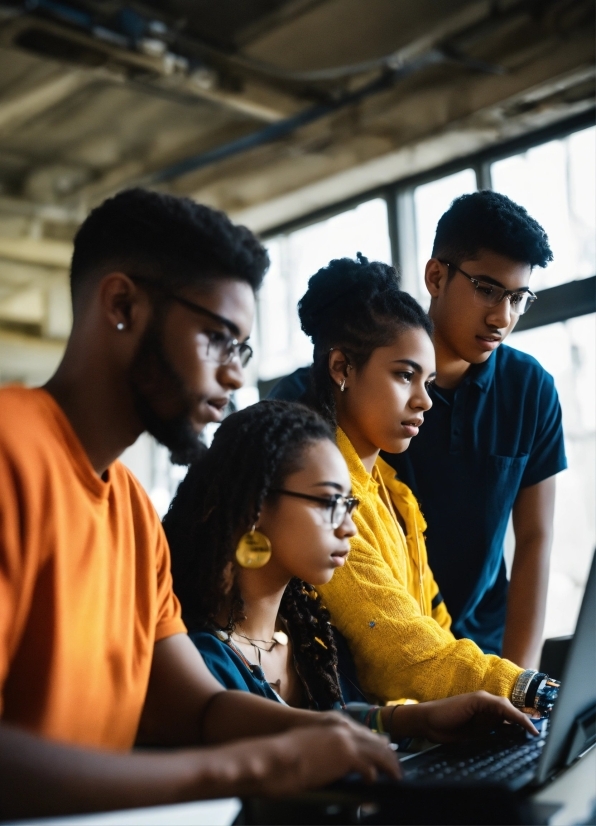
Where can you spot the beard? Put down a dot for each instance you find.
(152, 378)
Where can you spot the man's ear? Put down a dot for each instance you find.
(121, 301)
(339, 367)
(435, 276)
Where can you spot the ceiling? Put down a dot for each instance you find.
(264, 108)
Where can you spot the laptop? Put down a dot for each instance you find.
(517, 760)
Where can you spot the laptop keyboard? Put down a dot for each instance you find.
(511, 763)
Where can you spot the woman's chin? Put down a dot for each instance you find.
(397, 445)
(322, 577)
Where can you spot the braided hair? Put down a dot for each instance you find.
(220, 498)
(356, 306)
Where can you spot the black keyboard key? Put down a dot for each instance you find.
(509, 760)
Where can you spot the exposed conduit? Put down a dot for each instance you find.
(285, 127)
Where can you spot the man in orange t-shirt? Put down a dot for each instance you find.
(93, 653)
(80, 590)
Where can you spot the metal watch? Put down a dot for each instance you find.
(535, 690)
(518, 695)
(546, 695)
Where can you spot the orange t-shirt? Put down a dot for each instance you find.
(85, 584)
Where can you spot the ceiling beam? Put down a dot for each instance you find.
(21, 108)
(44, 251)
(397, 134)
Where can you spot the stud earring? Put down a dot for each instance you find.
(342, 386)
(253, 550)
(120, 326)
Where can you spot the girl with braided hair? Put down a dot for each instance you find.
(373, 361)
(257, 456)
(260, 519)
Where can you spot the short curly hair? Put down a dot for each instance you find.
(164, 237)
(357, 306)
(491, 221)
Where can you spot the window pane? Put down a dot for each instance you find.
(556, 183)
(294, 258)
(274, 314)
(568, 351)
(430, 202)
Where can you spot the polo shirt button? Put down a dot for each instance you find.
(372, 624)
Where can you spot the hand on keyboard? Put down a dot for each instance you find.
(458, 718)
(499, 760)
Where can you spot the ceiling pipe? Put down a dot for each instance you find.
(396, 67)
(279, 130)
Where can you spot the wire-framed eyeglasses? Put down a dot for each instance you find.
(337, 505)
(221, 347)
(490, 295)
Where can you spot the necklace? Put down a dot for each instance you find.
(278, 638)
(251, 666)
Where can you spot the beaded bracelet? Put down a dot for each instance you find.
(366, 715)
(378, 724)
(372, 716)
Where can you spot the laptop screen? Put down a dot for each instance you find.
(578, 684)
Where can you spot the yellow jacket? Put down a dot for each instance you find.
(401, 645)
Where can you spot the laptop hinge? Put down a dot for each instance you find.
(583, 735)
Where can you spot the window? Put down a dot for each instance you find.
(568, 351)
(294, 258)
(430, 202)
(555, 183)
(150, 463)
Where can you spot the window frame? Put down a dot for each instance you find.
(559, 303)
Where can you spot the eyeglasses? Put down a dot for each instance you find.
(339, 506)
(221, 347)
(490, 295)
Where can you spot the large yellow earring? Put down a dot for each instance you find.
(254, 550)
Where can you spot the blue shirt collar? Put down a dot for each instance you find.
(482, 374)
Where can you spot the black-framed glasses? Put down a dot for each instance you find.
(490, 295)
(338, 505)
(221, 347)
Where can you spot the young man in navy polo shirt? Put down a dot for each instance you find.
(492, 443)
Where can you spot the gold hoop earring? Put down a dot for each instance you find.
(253, 550)
(342, 386)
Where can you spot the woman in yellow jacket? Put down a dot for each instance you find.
(373, 360)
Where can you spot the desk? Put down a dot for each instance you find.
(574, 791)
(569, 800)
(573, 794)
(201, 813)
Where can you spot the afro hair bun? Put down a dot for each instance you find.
(343, 281)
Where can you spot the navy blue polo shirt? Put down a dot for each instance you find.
(500, 430)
